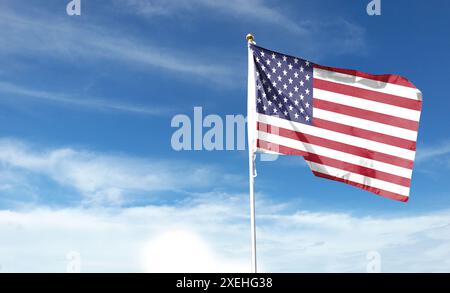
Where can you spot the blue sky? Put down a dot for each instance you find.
(86, 162)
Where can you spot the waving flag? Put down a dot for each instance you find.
(352, 127)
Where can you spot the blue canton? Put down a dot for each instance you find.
(284, 85)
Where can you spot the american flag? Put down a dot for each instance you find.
(353, 127)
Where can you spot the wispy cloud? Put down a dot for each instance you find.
(253, 10)
(431, 152)
(328, 35)
(102, 178)
(55, 37)
(11, 92)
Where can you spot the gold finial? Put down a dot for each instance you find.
(250, 38)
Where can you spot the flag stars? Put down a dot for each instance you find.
(284, 72)
(284, 58)
(296, 88)
(274, 56)
(279, 78)
(296, 74)
(307, 77)
(307, 92)
(290, 66)
(290, 80)
(279, 64)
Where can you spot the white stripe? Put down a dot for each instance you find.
(365, 124)
(357, 178)
(339, 137)
(334, 154)
(368, 84)
(367, 105)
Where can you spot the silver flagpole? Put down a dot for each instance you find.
(251, 128)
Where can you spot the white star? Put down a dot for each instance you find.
(285, 113)
(296, 116)
(284, 58)
(280, 105)
(279, 78)
(296, 102)
(274, 70)
(269, 102)
(307, 63)
(302, 69)
(290, 107)
(302, 97)
(296, 88)
(274, 84)
(259, 100)
(307, 118)
(280, 92)
(269, 89)
(259, 87)
(284, 72)
(295, 60)
(307, 105)
(285, 100)
(285, 86)
(265, 108)
(269, 76)
(268, 62)
(264, 95)
(275, 97)
(273, 56)
(290, 66)
(263, 68)
(290, 95)
(279, 64)
(307, 77)
(257, 59)
(262, 54)
(296, 74)
(275, 110)
(307, 91)
(290, 80)
(301, 110)
(302, 83)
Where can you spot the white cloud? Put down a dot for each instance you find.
(211, 234)
(108, 178)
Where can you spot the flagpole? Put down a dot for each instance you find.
(251, 128)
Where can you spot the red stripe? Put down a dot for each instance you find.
(366, 134)
(388, 78)
(347, 148)
(323, 160)
(368, 94)
(377, 191)
(365, 114)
